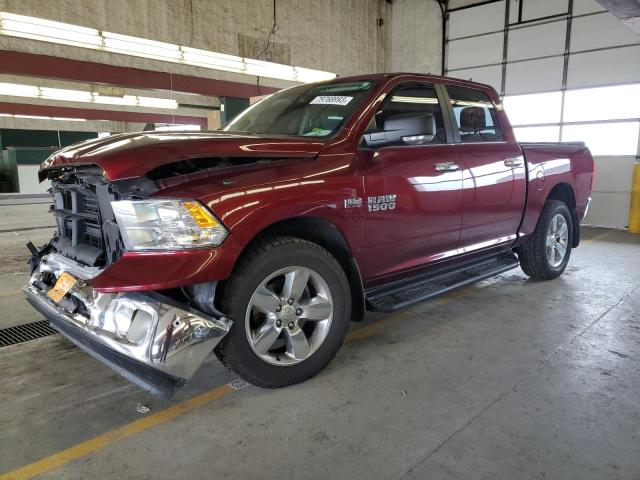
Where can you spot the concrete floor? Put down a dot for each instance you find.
(509, 378)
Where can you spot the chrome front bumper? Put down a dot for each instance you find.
(148, 338)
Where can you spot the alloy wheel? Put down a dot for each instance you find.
(557, 240)
(289, 316)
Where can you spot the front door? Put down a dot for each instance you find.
(413, 186)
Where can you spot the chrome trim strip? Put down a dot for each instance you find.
(56, 264)
(586, 210)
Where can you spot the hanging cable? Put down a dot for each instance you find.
(274, 28)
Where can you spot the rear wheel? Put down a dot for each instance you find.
(290, 303)
(546, 252)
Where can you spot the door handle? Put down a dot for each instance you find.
(513, 162)
(447, 167)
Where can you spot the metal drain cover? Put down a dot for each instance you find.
(26, 332)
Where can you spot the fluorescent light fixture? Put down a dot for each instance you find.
(46, 93)
(171, 128)
(405, 99)
(65, 119)
(64, 94)
(41, 117)
(17, 90)
(67, 34)
(140, 46)
(49, 31)
(153, 102)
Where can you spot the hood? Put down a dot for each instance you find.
(130, 155)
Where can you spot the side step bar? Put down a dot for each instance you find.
(403, 293)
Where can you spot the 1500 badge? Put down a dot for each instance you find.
(381, 203)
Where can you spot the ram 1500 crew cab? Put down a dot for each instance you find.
(261, 241)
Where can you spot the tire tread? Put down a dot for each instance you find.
(533, 259)
(230, 288)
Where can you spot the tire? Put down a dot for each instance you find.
(536, 259)
(271, 268)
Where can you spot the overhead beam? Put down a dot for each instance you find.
(45, 66)
(627, 11)
(94, 114)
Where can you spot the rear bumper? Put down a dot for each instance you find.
(148, 338)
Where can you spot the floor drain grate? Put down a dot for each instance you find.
(26, 332)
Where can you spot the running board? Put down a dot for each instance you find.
(403, 293)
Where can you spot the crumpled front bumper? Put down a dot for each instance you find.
(148, 338)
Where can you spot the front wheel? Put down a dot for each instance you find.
(545, 254)
(290, 303)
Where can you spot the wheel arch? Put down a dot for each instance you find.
(324, 233)
(564, 192)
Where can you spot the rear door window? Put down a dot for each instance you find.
(475, 114)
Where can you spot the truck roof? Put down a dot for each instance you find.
(426, 76)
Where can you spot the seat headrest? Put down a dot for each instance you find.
(472, 119)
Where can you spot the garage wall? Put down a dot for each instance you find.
(568, 70)
(340, 36)
(416, 37)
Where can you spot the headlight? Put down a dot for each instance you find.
(167, 224)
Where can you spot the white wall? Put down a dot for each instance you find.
(611, 192)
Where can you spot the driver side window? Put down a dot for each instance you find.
(412, 99)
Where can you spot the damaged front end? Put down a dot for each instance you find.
(148, 338)
(155, 339)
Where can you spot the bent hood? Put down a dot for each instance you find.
(131, 155)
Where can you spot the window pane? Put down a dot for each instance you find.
(537, 134)
(605, 103)
(533, 109)
(476, 116)
(605, 138)
(410, 103)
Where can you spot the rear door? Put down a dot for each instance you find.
(493, 170)
(413, 187)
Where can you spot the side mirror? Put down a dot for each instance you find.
(413, 128)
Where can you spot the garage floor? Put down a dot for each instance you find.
(509, 378)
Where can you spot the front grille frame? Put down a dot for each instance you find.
(77, 213)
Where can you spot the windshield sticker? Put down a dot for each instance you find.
(331, 100)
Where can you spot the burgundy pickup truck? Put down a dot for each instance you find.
(261, 241)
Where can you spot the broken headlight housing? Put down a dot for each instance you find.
(167, 224)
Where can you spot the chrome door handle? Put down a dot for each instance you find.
(513, 162)
(447, 167)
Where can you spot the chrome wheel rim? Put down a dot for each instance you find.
(289, 316)
(557, 240)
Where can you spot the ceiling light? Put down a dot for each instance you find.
(46, 93)
(41, 117)
(67, 34)
(49, 31)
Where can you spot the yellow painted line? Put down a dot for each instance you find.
(11, 293)
(85, 448)
(59, 459)
(599, 236)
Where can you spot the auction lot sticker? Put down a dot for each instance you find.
(331, 100)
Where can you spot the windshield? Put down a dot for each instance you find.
(308, 110)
